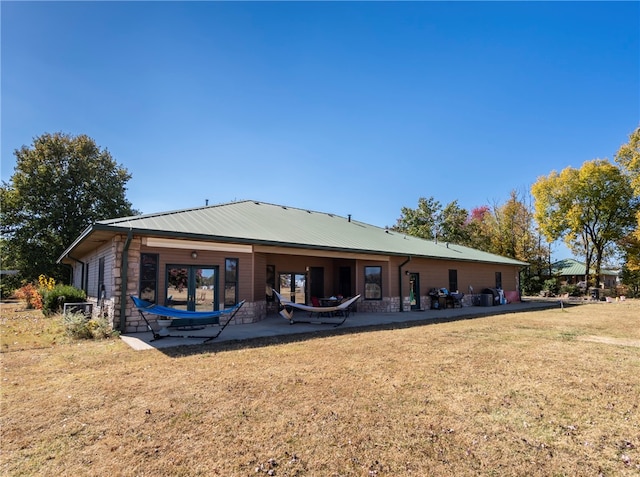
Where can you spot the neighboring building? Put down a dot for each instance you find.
(214, 256)
(572, 272)
(9, 273)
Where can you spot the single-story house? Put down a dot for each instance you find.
(214, 256)
(572, 272)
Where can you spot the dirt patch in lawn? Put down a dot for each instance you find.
(609, 340)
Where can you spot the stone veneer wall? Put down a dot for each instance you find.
(251, 312)
(386, 305)
(134, 321)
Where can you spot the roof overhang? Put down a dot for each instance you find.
(98, 234)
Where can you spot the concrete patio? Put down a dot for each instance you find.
(275, 325)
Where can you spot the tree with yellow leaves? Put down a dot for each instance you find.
(591, 208)
(628, 157)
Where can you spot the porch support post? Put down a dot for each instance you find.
(125, 282)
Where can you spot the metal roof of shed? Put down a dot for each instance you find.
(253, 222)
(572, 267)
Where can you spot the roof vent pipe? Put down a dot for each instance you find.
(349, 217)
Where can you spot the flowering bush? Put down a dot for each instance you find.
(46, 284)
(31, 296)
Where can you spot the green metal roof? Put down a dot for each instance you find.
(571, 267)
(253, 222)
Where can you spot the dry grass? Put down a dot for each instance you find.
(519, 394)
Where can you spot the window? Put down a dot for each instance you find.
(373, 283)
(230, 281)
(148, 276)
(498, 279)
(101, 288)
(453, 281)
(86, 280)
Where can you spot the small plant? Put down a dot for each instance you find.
(78, 326)
(101, 328)
(569, 335)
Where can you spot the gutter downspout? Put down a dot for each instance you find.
(125, 282)
(400, 281)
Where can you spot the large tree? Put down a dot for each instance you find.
(628, 157)
(433, 222)
(454, 224)
(61, 184)
(481, 226)
(592, 207)
(514, 232)
(423, 222)
(508, 230)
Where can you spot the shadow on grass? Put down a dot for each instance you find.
(302, 336)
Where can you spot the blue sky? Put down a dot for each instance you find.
(350, 108)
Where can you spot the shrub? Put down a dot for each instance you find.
(101, 328)
(78, 326)
(531, 286)
(59, 295)
(551, 285)
(9, 284)
(571, 290)
(31, 296)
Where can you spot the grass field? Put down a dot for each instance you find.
(545, 393)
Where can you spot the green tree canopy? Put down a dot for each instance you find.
(433, 222)
(506, 229)
(454, 224)
(422, 222)
(593, 207)
(61, 185)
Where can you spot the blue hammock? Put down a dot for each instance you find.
(184, 318)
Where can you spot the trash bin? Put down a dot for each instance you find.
(486, 299)
(595, 294)
(434, 298)
(493, 293)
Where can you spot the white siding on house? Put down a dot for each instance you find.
(93, 262)
(77, 275)
(90, 283)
